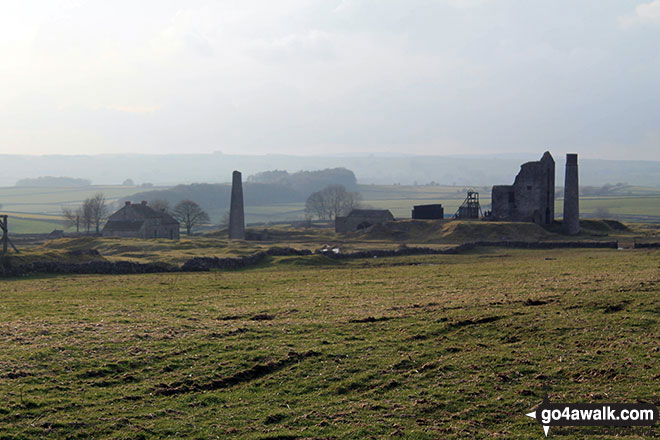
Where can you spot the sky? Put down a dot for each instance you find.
(428, 77)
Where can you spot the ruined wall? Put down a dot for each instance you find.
(361, 219)
(531, 198)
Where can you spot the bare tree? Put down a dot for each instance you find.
(94, 212)
(160, 205)
(331, 201)
(87, 216)
(72, 217)
(316, 206)
(602, 212)
(224, 221)
(190, 214)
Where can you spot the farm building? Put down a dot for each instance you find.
(141, 221)
(362, 219)
(428, 212)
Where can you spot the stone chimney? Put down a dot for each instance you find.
(144, 203)
(127, 203)
(236, 214)
(571, 196)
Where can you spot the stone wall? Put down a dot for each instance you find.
(361, 219)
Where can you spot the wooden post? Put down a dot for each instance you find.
(5, 233)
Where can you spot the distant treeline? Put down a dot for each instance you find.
(302, 180)
(50, 181)
(260, 189)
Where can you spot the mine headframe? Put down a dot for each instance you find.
(470, 209)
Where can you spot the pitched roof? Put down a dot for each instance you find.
(141, 211)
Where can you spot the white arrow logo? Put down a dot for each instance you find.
(546, 429)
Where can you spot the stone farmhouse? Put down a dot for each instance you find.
(141, 221)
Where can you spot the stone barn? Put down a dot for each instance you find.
(362, 219)
(531, 198)
(141, 221)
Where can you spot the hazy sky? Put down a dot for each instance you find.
(323, 76)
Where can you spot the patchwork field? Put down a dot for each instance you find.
(38, 210)
(34, 210)
(428, 347)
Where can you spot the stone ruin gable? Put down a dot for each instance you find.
(362, 219)
(141, 221)
(531, 198)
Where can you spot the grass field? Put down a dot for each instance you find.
(414, 233)
(433, 347)
(20, 223)
(51, 200)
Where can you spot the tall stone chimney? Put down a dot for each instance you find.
(236, 214)
(571, 196)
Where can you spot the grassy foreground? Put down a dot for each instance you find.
(418, 347)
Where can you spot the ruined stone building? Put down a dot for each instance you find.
(362, 219)
(141, 221)
(531, 198)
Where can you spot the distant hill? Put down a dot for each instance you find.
(50, 181)
(166, 170)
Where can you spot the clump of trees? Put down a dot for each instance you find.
(95, 211)
(50, 181)
(304, 180)
(189, 214)
(331, 201)
(90, 215)
(160, 205)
